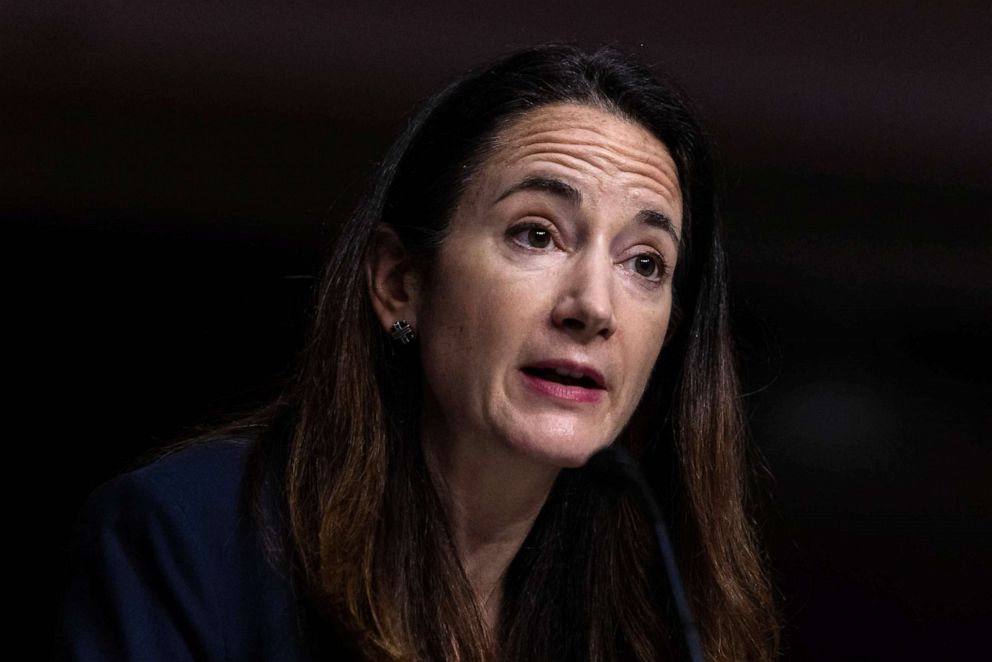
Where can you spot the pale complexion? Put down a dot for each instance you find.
(561, 249)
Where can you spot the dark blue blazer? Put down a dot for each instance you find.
(167, 566)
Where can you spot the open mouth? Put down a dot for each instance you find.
(551, 375)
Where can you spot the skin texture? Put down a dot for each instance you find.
(528, 273)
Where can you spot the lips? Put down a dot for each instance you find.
(565, 379)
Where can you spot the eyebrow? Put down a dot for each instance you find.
(658, 220)
(570, 194)
(555, 187)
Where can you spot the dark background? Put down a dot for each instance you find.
(171, 176)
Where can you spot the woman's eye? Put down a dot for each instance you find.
(538, 237)
(647, 265)
(533, 236)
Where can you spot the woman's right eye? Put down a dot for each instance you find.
(532, 236)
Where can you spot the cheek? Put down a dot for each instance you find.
(482, 300)
(447, 342)
(463, 326)
(645, 347)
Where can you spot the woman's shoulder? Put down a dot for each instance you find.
(197, 488)
(204, 465)
(166, 561)
(186, 476)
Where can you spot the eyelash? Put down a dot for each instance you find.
(661, 267)
(516, 230)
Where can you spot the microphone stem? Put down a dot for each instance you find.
(692, 641)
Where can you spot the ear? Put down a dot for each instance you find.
(394, 285)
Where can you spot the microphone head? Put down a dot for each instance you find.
(614, 468)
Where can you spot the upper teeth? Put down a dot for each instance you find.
(566, 373)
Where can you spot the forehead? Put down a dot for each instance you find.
(588, 144)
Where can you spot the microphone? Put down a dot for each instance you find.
(617, 470)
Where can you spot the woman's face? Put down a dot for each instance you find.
(552, 291)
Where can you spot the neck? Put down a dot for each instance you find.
(492, 495)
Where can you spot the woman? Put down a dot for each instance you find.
(535, 274)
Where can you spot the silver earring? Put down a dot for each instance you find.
(402, 332)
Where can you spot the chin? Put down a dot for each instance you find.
(563, 453)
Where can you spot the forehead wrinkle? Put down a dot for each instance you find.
(650, 158)
(607, 144)
(653, 179)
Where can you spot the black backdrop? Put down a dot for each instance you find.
(171, 175)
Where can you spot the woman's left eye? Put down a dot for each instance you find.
(647, 265)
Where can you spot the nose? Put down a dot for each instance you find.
(585, 307)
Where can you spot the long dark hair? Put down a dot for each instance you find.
(362, 525)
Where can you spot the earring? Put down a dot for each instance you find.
(402, 332)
